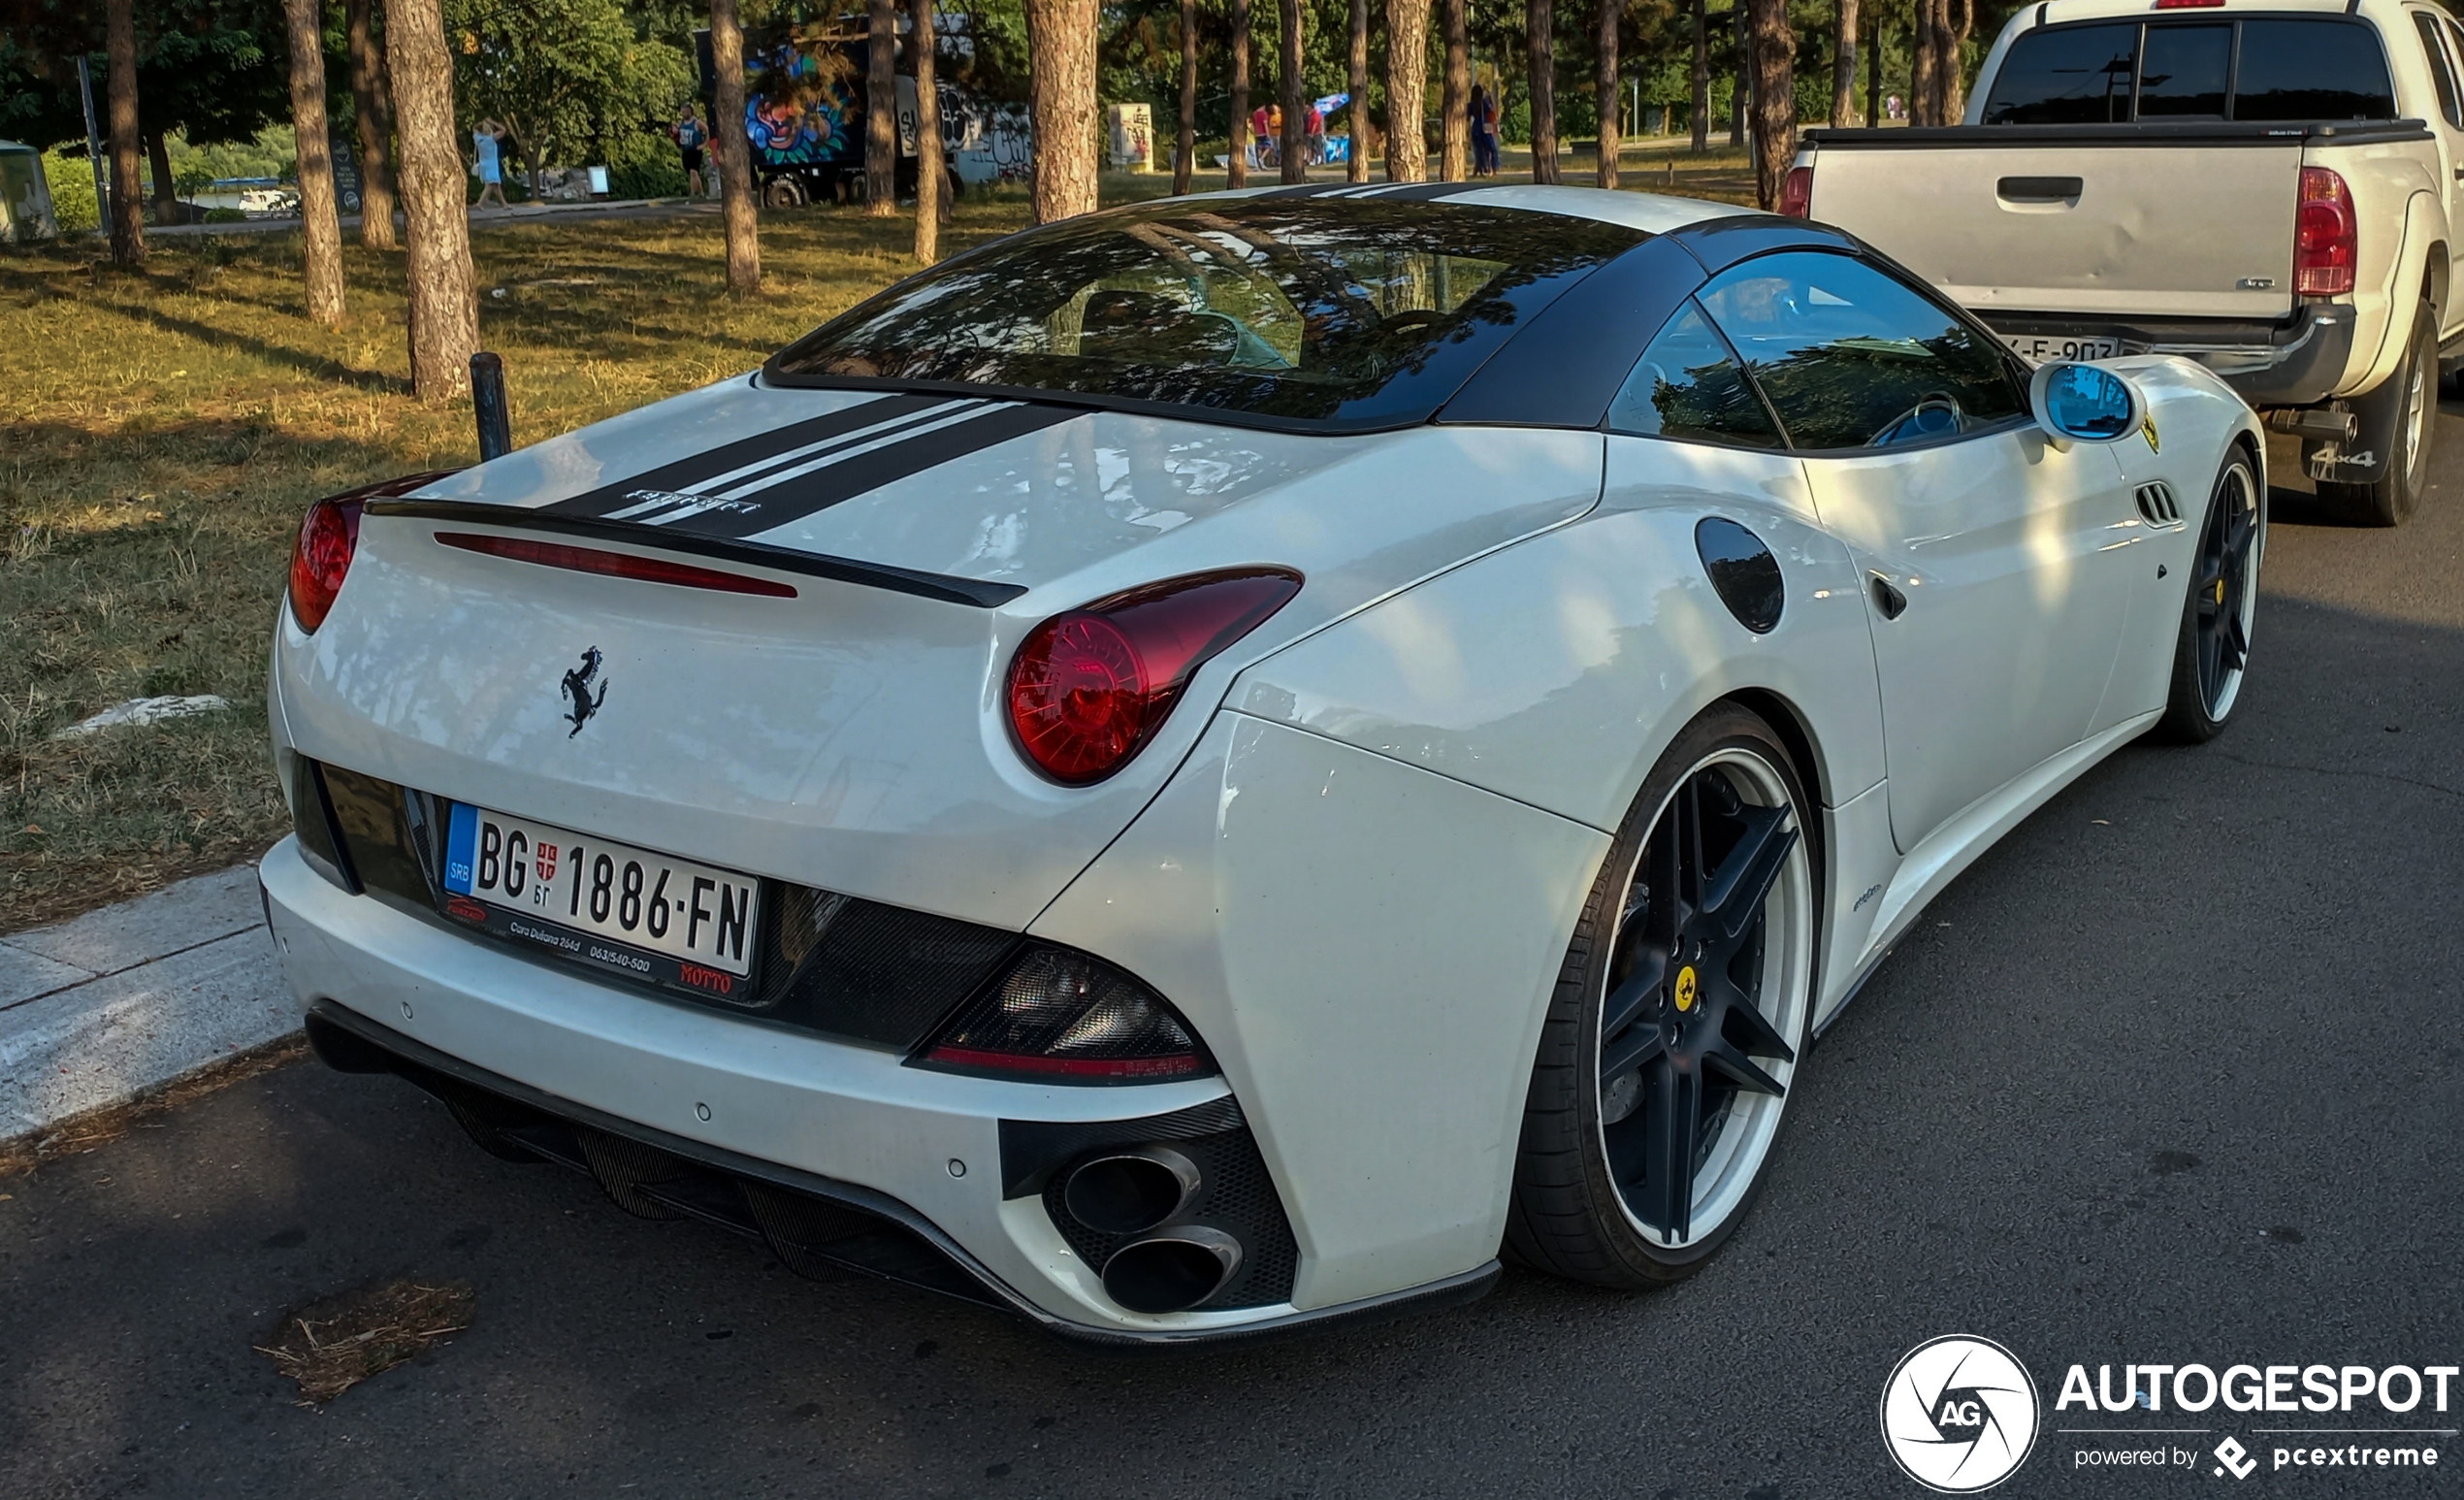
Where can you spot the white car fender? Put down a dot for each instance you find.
(1567, 708)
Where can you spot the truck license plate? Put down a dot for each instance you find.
(2038, 348)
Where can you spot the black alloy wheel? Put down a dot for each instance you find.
(2215, 645)
(1666, 1062)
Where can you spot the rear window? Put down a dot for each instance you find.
(2323, 70)
(1344, 315)
(2278, 68)
(2183, 71)
(2067, 76)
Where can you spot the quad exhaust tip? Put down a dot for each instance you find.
(1172, 1271)
(1130, 1191)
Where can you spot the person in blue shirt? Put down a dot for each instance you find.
(690, 138)
(487, 141)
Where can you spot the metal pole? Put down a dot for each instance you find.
(488, 405)
(94, 144)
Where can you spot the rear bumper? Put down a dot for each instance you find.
(839, 1156)
(2294, 361)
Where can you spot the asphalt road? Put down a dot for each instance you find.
(2173, 1075)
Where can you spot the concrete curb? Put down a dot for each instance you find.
(123, 1001)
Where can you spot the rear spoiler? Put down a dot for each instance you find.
(949, 590)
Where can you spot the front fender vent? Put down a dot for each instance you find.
(2156, 505)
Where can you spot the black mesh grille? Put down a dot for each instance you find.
(1236, 1195)
(876, 973)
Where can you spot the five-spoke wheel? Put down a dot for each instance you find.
(1668, 1055)
(2217, 618)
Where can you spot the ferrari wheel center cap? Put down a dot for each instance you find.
(1688, 986)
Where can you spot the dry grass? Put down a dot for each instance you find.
(167, 427)
(331, 1346)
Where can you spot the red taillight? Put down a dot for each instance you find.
(329, 534)
(1089, 687)
(614, 565)
(2326, 235)
(1797, 192)
(320, 557)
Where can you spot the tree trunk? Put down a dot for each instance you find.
(1920, 66)
(1611, 91)
(1406, 89)
(166, 198)
(735, 152)
(128, 208)
(320, 221)
(1294, 146)
(1774, 62)
(375, 110)
(1454, 130)
(444, 306)
(1873, 72)
(1542, 17)
(1701, 117)
(930, 173)
(1954, 59)
(881, 108)
(1844, 64)
(1741, 71)
(1184, 157)
(1060, 44)
(1356, 115)
(1236, 171)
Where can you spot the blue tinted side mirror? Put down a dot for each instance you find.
(2083, 404)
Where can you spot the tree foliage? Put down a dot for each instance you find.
(565, 78)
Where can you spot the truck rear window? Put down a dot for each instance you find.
(2290, 68)
(2323, 70)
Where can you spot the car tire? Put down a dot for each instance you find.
(1662, 978)
(2212, 650)
(2397, 420)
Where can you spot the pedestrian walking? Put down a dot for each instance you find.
(488, 142)
(1316, 136)
(1483, 119)
(691, 137)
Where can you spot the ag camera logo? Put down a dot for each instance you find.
(1959, 1415)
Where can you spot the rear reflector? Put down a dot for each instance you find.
(615, 564)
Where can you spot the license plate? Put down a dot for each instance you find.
(2037, 349)
(609, 902)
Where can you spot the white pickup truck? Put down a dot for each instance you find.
(2265, 186)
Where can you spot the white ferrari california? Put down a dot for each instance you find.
(1230, 762)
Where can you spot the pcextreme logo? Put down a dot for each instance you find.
(1960, 1413)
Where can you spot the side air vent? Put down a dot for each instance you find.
(2156, 505)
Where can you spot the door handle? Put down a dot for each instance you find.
(2038, 190)
(1890, 600)
(2459, 174)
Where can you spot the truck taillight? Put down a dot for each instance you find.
(2326, 235)
(1797, 192)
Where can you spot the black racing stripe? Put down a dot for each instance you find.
(825, 487)
(1431, 192)
(1386, 192)
(731, 456)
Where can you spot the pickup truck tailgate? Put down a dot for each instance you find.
(2199, 229)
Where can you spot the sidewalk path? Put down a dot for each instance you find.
(121, 1001)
